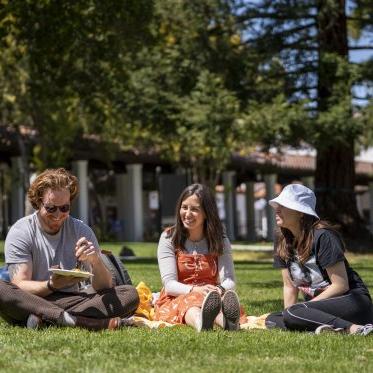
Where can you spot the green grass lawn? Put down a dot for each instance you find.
(181, 348)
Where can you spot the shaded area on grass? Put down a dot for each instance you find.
(262, 284)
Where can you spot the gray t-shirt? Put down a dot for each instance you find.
(27, 242)
(168, 267)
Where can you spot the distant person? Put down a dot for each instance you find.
(196, 266)
(50, 237)
(310, 254)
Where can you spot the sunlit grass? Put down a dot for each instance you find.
(181, 348)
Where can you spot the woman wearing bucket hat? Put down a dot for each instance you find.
(196, 266)
(310, 254)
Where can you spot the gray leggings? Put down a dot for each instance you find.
(16, 305)
(354, 307)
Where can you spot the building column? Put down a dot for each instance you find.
(4, 216)
(136, 216)
(308, 181)
(250, 211)
(28, 207)
(230, 203)
(120, 187)
(81, 204)
(130, 203)
(371, 206)
(18, 189)
(270, 182)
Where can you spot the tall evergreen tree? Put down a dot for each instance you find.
(311, 39)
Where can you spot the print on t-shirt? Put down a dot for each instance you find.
(307, 277)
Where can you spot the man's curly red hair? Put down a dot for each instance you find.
(55, 179)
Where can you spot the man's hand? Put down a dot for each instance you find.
(85, 251)
(60, 282)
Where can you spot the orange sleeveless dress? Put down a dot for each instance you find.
(192, 269)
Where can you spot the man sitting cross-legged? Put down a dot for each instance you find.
(50, 237)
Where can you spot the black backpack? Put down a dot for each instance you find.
(115, 266)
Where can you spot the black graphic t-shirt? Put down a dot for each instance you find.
(311, 277)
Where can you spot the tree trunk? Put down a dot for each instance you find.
(336, 200)
(335, 164)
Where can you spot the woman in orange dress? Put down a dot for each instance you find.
(196, 266)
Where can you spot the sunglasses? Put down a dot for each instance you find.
(53, 209)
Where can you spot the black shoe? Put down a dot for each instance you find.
(210, 309)
(231, 310)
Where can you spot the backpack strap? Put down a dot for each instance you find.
(115, 266)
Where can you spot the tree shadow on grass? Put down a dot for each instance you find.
(262, 284)
(253, 263)
(140, 260)
(260, 307)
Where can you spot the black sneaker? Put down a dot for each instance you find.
(364, 330)
(231, 310)
(210, 308)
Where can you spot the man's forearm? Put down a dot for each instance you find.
(38, 288)
(101, 276)
(20, 274)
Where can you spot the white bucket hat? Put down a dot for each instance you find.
(296, 197)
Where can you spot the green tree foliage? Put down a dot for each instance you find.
(193, 88)
(310, 38)
(184, 88)
(276, 122)
(175, 78)
(193, 81)
(60, 64)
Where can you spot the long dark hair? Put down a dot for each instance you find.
(213, 228)
(287, 247)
